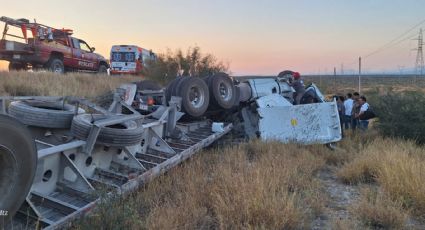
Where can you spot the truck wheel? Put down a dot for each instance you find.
(170, 87)
(222, 90)
(56, 65)
(175, 91)
(16, 66)
(285, 73)
(123, 134)
(103, 69)
(195, 96)
(18, 162)
(43, 114)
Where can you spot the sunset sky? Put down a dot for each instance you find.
(254, 37)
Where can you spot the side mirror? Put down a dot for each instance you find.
(93, 49)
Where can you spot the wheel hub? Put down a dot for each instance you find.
(196, 97)
(57, 68)
(224, 91)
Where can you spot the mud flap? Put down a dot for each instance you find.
(304, 124)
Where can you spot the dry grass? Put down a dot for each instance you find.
(377, 211)
(49, 84)
(398, 167)
(251, 186)
(341, 85)
(258, 185)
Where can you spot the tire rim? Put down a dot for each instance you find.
(8, 172)
(57, 68)
(224, 91)
(196, 97)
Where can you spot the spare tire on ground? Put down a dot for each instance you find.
(123, 134)
(47, 114)
(222, 90)
(18, 162)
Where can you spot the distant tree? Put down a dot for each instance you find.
(192, 63)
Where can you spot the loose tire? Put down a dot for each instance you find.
(222, 90)
(195, 96)
(43, 114)
(55, 65)
(123, 134)
(18, 162)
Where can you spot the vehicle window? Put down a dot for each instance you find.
(84, 46)
(75, 43)
(123, 56)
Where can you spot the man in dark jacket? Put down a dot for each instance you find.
(355, 111)
(299, 87)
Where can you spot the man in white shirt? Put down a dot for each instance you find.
(364, 107)
(348, 104)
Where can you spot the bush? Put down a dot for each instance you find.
(192, 63)
(402, 115)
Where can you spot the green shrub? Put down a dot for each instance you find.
(401, 115)
(192, 63)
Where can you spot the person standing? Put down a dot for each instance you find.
(341, 110)
(355, 111)
(364, 106)
(348, 105)
(299, 87)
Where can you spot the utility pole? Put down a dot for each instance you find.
(419, 65)
(320, 76)
(342, 68)
(400, 68)
(335, 80)
(360, 74)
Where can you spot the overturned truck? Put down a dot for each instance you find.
(60, 155)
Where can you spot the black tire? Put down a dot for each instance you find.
(103, 69)
(222, 90)
(55, 65)
(284, 73)
(17, 66)
(175, 91)
(237, 96)
(147, 85)
(195, 96)
(43, 114)
(170, 87)
(18, 163)
(124, 134)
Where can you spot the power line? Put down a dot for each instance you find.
(391, 43)
(387, 45)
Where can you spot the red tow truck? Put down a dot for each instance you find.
(41, 46)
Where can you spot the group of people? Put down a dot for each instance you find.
(352, 109)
